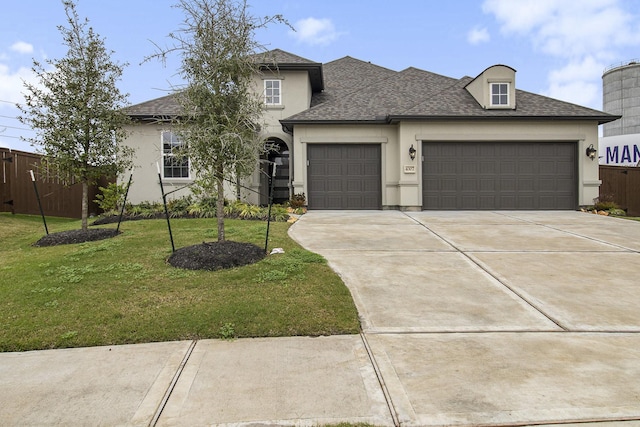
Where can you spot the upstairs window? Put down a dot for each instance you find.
(175, 164)
(500, 94)
(272, 92)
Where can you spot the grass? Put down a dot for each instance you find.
(121, 290)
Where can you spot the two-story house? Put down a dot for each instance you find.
(354, 135)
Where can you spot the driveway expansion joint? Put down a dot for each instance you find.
(172, 385)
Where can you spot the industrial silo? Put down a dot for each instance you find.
(620, 144)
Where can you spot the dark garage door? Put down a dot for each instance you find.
(499, 175)
(344, 176)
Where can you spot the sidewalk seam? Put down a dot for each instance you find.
(172, 385)
(383, 386)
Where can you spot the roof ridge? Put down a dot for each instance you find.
(359, 60)
(428, 72)
(270, 56)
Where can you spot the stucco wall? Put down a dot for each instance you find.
(146, 140)
(404, 189)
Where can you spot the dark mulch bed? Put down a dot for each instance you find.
(76, 236)
(216, 255)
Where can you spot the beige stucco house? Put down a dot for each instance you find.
(354, 135)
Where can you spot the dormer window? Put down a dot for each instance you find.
(494, 88)
(272, 92)
(500, 94)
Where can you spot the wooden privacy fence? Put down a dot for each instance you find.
(621, 184)
(58, 198)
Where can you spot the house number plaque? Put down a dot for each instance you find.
(409, 168)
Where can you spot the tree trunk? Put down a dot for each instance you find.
(85, 204)
(220, 204)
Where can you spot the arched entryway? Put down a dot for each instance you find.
(277, 154)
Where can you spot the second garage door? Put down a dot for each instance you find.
(499, 175)
(344, 176)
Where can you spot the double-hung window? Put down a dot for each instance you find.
(273, 92)
(175, 163)
(500, 94)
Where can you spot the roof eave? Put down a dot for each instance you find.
(288, 125)
(153, 117)
(599, 118)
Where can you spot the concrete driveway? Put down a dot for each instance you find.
(493, 317)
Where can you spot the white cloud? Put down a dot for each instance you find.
(22, 47)
(478, 35)
(585, 36)
(577, 82)
(564, 29)
(315, 31)
(11, 84)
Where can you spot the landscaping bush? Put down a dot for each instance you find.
(111, 197)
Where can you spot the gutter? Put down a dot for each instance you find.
(287, 125)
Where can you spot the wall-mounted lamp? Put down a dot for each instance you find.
(591, 152)
(412, 152)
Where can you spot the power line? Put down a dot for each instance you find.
(9, 117)
(14, 127)
(10, 102)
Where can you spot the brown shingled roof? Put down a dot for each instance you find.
(358, 91)
(279, 56)
(412, 94)
(156, 108)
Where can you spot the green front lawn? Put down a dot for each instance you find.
(121, 290)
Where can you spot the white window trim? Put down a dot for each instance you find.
(508, 104)
(279, 95)
(165, 155)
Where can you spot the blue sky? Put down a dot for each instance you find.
(558, 47)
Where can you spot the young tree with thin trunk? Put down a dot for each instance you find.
(221, 111)
(76, 109)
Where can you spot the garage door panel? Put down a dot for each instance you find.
(449, 184)
(332, 169)
(526, 184)
(499, 175)
(344, 176)
(332, 153)
(487, 185)
(486, 202)
(354, 169)
(508, 184)
(469, 184)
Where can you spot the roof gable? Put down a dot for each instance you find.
(279, 60)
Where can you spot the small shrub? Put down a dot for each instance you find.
(248, 211)
(204, 208)
(617, 212)
(111, 197)
(606, 205)
(179, 207)
(278, 213)
(298, 201)
(147, 209)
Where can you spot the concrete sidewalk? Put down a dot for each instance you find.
(469, 318)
